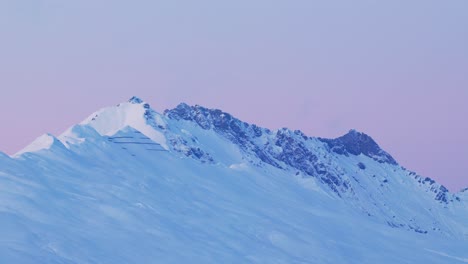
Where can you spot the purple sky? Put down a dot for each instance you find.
(397, 70)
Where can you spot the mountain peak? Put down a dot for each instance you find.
(181, 111)
(135, 100)
(135, 113)
(356, 143)
(353, 132)
(355, 135)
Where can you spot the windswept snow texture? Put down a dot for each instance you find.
(196, 185)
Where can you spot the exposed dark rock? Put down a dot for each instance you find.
(361, 165)
(135, 100)
(427, 179)
(442, 194)
(356, 143)
(293, 150)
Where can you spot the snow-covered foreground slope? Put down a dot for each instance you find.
(193, 185)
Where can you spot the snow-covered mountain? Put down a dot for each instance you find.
(197, 185)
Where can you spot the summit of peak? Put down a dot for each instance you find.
(135, 113)
(355, 135)
(183, 105)
(356, 143)
(353, 132)
(135, 100)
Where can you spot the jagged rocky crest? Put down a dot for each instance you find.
(285, 149)
(294, 151)
(354, 142)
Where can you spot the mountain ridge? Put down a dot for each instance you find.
(190, 163)
(354, 142)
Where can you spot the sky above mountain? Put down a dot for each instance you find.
(396, 70)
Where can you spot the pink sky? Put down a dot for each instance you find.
(396, 70)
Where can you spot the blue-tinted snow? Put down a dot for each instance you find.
(223, 191)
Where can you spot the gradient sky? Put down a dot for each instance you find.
(397, 70)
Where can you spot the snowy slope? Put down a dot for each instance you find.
(195, 185)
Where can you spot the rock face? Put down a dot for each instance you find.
(286, 149)
(128, 177)
(283, 148)
(357, 143)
